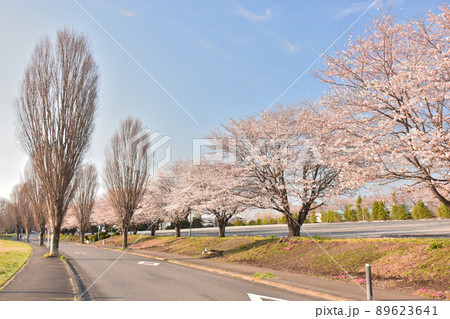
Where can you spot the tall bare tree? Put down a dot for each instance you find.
(127, 170)
(12, 210)
(25, 210)
(3, 203)
(84, 198)
(55, 112)
(37, 202)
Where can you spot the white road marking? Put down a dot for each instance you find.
(148, 263)
(79, 253)
(254, 297)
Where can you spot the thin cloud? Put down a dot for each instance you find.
(257, 18)
(353, 8)
(251, 16)
(287, 46)
(209, 46)
(127, 13)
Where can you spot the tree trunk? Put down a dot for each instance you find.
(17, 233)
(41, 238)
(135, 231)
(27, 235)
(293, 227)
(82, 234)
(54, 243)
(125, 236)
(177, 231)
(153, 229)
(440, 197)
(222, 224)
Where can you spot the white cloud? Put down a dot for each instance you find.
(256, 18)
(353, 8)
(251, 16)
(287, 46)
(209, 46)
(127, 13)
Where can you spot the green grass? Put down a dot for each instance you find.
(69, 237)
(263, 275)
(12, 256)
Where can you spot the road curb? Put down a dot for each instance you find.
(6, 283)
(286, 287)
(74, 280)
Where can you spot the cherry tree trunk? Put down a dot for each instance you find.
(177, 231)
(222, 224)
(135, 231)
(18, 233)
(82, 234)
(125, 236)
(27, 235)
(293, 227)
(153, 229)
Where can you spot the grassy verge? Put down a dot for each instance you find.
(414, 265)
(13, 255)
(69, 237)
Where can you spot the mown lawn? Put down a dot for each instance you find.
(415, 265)
(13, 255)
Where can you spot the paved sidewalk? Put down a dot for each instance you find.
(41, 279)
(334, 289)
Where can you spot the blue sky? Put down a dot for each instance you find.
(218, 59)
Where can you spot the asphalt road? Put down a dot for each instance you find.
(428, 227)
(128, 279)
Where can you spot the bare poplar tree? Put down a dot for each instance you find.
(84, 198)
(37, 202)
(3, 203)
(25, 211)
(12, 210)
(55, 113)
(126, 171)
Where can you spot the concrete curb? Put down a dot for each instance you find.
(286, 287)
(74, 281)
(6, 283)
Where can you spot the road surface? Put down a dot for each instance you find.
(427, 227)
(138, 278)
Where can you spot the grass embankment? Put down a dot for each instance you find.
(13, 255)
(415, 265)
(69, 237)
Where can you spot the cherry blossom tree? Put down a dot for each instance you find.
(169, 191)
(282, 151)
(218, 189)
(389, 94)
(153, 205)
(70, 220)
(103, 213)
(145, 215)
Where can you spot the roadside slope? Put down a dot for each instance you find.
(412, 265)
